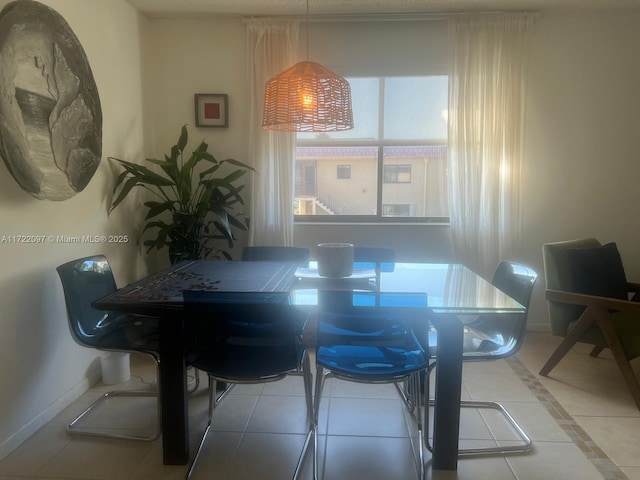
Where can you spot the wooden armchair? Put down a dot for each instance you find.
(590, 301)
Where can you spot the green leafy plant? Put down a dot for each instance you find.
(196, 192)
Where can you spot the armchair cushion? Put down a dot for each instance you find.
(598, 271)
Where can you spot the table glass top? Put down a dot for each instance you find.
(446, 288)
(443, 288)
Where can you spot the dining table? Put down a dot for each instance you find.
(453, 293)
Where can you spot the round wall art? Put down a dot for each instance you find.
(50, 115)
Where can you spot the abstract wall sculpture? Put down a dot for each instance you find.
(50, 115)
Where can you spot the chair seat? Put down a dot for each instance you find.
(487, 337)
(346, 330)
(372, 362)
(127, 332)
(248, 362)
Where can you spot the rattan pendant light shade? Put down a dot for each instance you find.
(307, 98)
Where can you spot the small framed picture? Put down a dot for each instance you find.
(212, 110)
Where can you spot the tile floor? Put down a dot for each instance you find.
(581, 418)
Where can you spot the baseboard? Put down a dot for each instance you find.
(44, 417)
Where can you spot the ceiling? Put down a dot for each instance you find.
(174, 8)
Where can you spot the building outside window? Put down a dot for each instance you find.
(391, 167)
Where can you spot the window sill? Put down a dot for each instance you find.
(299, 223)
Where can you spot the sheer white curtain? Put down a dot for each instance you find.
(272, 47)
(487, 88)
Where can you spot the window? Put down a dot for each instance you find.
(344, 172)
(397, 174)
(391, 167)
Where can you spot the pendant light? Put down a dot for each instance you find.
(307, 98)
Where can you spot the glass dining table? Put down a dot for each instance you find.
(452, 292)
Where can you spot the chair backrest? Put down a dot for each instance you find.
(369, 315)
(374, 254)
(515, 280)
(83, 281)
(557, 276)
(500, 336)
(376, 325)
(381, 259)
(242, 336)
(300, 255)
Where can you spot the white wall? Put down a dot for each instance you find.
(41, 369)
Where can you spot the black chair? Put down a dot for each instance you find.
(83, 281)
(493, 337)
(245, 337)
(270, 253)
(366, 337)
(299, 255)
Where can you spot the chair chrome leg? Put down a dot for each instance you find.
(311, 422)
(405, 393)
(526, 440)
(223, 394)
(427, 402)
(320, 377)
(310, 438)
(74, 429)
(308, 388)
(213, 403)
(419, 395)
(525, 446)
(412, 389)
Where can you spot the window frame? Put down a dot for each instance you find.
(380, 143)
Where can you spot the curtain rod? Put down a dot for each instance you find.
(384, 17)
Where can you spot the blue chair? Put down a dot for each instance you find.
(379, 259)
(245, 337)
(299, 255)
(83, 281)
(366, 337)
(493, 337)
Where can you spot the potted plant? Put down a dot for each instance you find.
(194, 207)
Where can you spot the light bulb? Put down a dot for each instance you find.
(307, 100)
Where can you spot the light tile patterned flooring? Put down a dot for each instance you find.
(581, 418)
